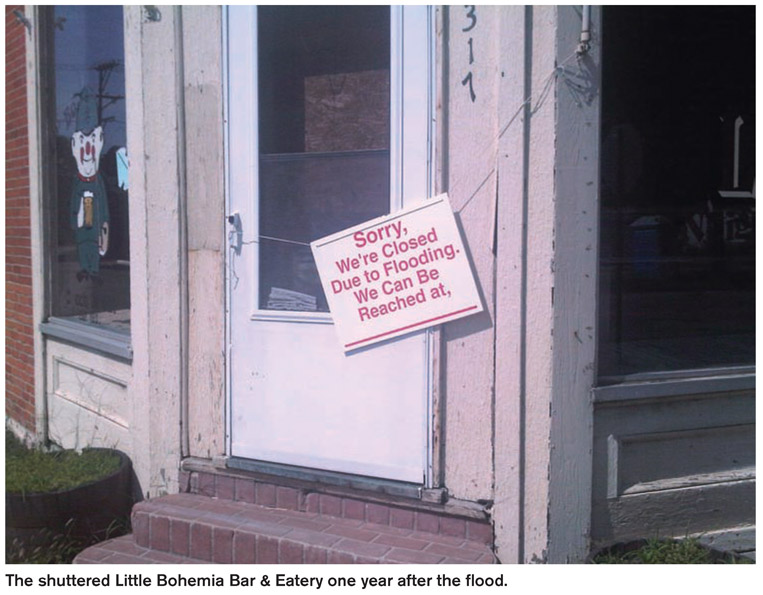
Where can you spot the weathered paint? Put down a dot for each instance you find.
(472, 144)
(202, 31)
(673, 465)
(36, 219)
(87, 398)
(206, 419)
(542, 381)
(539, 286)
(152, 126)
(138, 288)
(575, 289)
(509, 287)
(437, 470)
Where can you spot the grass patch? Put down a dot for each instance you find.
(29, 470)
(49, 547)
(46, 547)
(661, 551)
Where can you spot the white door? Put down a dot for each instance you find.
(329, 112)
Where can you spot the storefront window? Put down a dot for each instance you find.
(86, 195)
(677, 250)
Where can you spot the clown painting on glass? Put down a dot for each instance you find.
(88, 207)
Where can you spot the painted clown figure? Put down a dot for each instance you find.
(88, 207)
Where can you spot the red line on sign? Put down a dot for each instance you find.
(403, 328)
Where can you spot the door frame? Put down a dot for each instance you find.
(425, 56)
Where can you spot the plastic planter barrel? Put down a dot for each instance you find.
(90, 511)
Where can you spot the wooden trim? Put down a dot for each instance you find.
(510, 364)
(575, 287)
(89, 336)
(626, 393)
(38, 185)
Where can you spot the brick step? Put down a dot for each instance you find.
(200, 528)
(124, 550)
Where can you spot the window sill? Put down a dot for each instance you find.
(662, 385)
(90, 336)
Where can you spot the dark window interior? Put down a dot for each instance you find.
(677, 251)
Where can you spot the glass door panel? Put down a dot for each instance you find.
(324, 138)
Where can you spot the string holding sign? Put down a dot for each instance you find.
(235, 245)
(540, 97)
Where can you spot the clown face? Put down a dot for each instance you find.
(86, 149)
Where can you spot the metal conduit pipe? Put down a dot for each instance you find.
(585, 31)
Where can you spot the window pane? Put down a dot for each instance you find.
(89, 208)
(324, 137)
(677, 189)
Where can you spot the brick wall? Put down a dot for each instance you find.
(19, 346)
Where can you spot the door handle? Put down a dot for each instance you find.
(235, 235)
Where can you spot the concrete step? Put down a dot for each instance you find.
(193, 527)
(736, 540)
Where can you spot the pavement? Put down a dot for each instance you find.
(738, 540)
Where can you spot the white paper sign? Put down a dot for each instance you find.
(396, 274)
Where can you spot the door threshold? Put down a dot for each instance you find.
(329, 478)
(216, 479)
